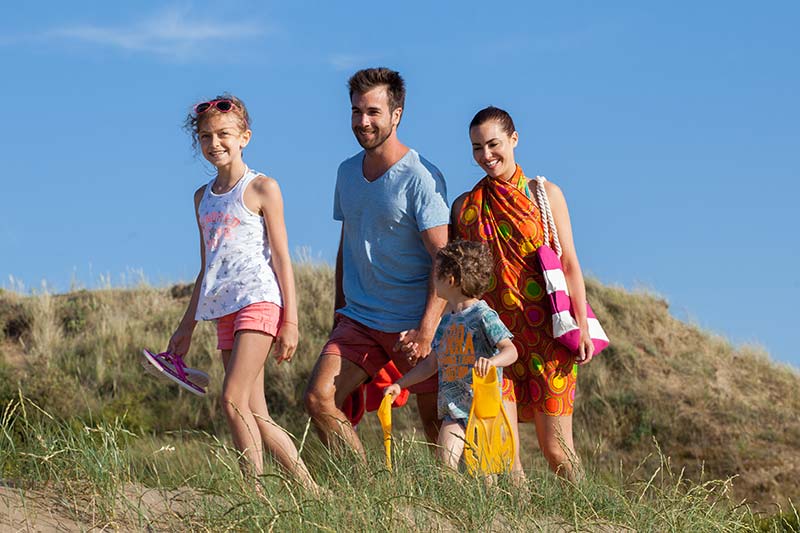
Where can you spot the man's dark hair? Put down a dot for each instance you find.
(369, 78)
(470, 264)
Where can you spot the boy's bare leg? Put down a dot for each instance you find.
(451, 443)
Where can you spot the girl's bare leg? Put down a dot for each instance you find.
(247, 416)
(241, 422)
(451, 443)
(277, 441)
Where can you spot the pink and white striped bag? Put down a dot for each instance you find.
(565, 327)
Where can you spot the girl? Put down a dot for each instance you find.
(501, 204)
(245, 282)
(469, 334)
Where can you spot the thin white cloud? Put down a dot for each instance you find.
(172, 33)
(349, 61)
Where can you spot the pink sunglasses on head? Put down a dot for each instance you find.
(224, 105)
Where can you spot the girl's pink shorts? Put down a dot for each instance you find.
(261, 316)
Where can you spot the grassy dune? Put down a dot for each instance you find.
(675, 425)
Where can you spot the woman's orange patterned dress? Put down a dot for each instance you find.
(503, 215)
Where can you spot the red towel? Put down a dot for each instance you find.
(355, 405)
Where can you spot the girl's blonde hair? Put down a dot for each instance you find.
(194, 121)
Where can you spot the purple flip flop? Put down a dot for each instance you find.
(171, 367)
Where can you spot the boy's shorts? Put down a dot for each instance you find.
(460, 421)
(261, 316)
(371, 350)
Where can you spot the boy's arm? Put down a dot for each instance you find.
(505, 357)
(507, 354)
(424, 369)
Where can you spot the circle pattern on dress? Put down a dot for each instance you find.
(470, 215)
(504, 229)
(532, 291)
(501, 215)
(558, 382)
(535, 315)
(510, 300)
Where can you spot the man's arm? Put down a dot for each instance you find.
(339, 300)
(417, 342)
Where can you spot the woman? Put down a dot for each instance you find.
(501, 211)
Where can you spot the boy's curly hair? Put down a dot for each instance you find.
(470, 264)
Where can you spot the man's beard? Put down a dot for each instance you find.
(373, 143)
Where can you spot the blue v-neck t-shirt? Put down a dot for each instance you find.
(385, 264)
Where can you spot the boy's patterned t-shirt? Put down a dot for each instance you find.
(461, 339)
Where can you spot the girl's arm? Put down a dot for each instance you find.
(424, 369)
(505, 357)
(181, 340)
(271, 207)
(571, 268)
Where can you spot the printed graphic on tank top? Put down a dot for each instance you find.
(238, 259)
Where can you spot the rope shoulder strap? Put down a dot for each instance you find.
(548, 224)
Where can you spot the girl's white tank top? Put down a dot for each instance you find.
(237, 255)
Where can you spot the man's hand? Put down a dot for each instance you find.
(414, 345)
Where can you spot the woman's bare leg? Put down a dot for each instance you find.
(517, 473)
(555, 440)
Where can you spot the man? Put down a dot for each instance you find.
(393, 208)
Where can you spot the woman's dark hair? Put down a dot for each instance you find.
(494, 113)
(470, 264)
(194, 122)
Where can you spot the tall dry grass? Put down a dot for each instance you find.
(716, 411)
(101, 475)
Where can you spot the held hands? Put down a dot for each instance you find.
(285, 342)
(585, 348)
(392, 390)
(414, 345)
(181, 340)
(482, 366)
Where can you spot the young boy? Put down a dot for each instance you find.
(469, 335)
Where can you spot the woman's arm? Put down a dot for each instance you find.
(455, 211)
(571, 268)
(271, 207)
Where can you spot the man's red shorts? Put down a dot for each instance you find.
(371, 350)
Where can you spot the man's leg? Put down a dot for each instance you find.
(428, 414)
(332, 380)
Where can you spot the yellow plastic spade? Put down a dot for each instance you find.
(385, 417)
(489, 441)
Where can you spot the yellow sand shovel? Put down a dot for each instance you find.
(385, 417)
(489, 441)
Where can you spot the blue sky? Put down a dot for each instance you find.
(673, 130)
